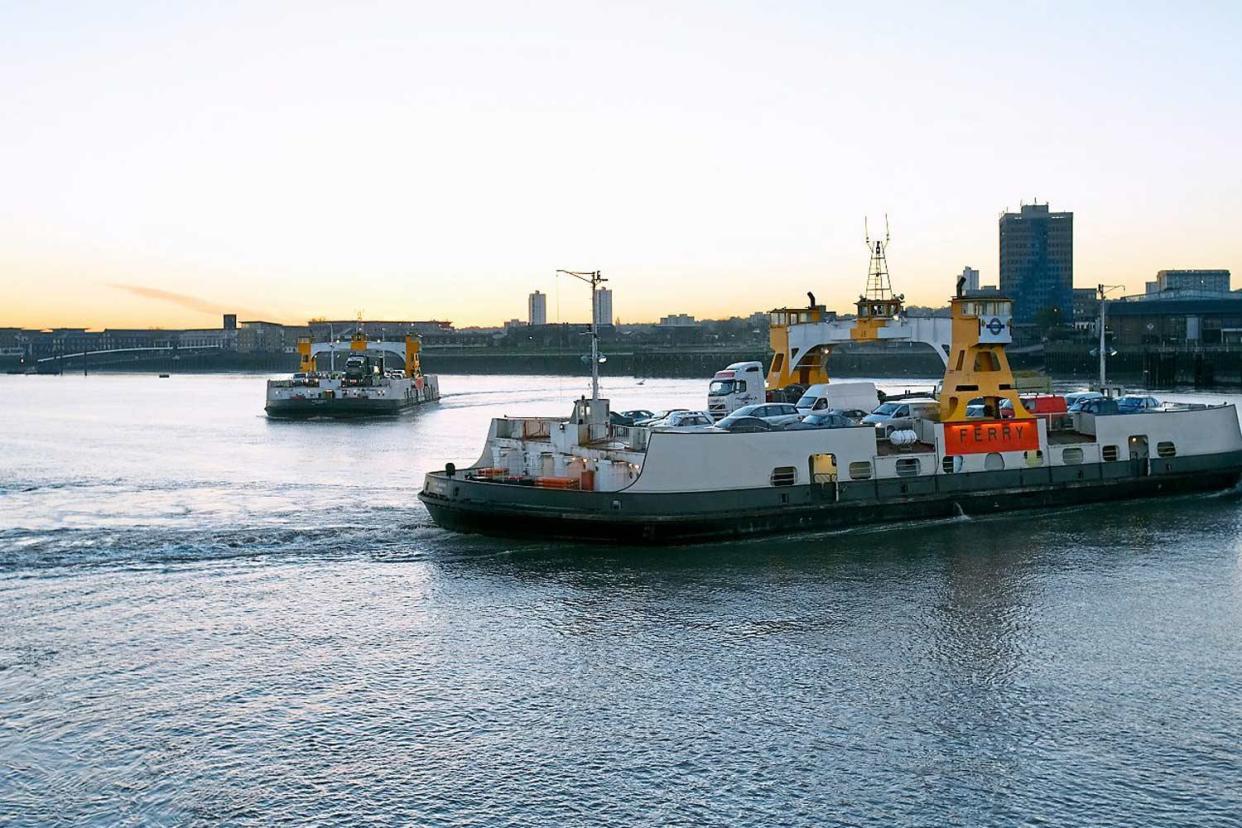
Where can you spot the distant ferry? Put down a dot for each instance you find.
(365, 388)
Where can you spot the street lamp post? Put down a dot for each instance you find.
(594, 279)
(1103, 290)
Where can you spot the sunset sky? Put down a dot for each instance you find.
(163, 163)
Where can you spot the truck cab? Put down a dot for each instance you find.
(360, 369)
(741, 383)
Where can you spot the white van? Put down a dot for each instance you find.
(843, 396)
(899, 415)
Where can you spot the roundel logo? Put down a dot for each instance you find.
(995, 326)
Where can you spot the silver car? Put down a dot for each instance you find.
(683, 420)
(774, 414)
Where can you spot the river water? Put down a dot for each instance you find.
(207, 617)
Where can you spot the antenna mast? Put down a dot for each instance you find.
(594, 279)
(878, 284)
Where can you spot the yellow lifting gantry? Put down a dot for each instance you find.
(803, 338)
(978, 367)
(409, 351)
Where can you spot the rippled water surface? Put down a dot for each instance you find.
(206, 617)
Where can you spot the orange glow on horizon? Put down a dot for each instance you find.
(442, 161)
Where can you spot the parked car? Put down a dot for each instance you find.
(743, 424)
(892, 416)
(1097, 405)
(684, 420)
(790, 393)
(977, 408)
(659, 415)
(636, 415)
(1076, 398)
(823, 419)
(1137, 404)
(774, 414)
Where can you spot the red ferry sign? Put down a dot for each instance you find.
(991, 435)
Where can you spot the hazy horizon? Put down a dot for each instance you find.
(164, 165)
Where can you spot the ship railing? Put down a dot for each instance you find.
(1060, 421)
(526, 428)
(633, 438)
(312, 382)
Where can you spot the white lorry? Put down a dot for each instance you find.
(742, 383)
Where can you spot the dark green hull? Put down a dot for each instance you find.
(505, 509)
(338, 408)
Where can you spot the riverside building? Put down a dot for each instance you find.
(1037, 262)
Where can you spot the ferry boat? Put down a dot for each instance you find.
(365, 388)
(583, 477)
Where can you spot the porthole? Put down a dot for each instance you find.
(860, 470)
(908, 467)
(784, 476)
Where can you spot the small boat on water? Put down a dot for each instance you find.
(365, 388)
(976, 450)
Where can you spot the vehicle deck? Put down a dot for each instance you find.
(883, 448)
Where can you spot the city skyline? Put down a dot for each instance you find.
(416, 163)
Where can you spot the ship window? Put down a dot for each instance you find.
(994, 462)
(1166, 449)
(784, 476)
(860, 470)
(778, 362)
(1034, 458)
(1071, 456)
(823, 468)
(951, 464)
(1109, 453)
(908, 467)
